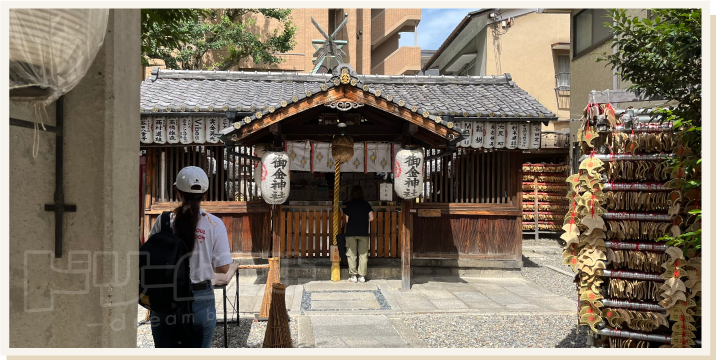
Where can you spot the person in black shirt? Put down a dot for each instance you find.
(358, 214)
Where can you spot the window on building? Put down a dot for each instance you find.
(563, 71)
(589, 29)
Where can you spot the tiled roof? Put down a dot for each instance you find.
(489, 97)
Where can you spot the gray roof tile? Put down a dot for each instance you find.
(242, 90)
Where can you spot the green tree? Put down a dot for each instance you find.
(197, 32)
(661, 56)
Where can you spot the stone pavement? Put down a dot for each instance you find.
(343, 314)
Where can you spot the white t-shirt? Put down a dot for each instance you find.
(211, 248)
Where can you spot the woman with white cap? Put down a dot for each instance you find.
(206, 238)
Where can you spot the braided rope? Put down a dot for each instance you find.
(336, 199)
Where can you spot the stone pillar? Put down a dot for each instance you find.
(86, 298)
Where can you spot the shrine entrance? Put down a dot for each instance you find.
(468, 204)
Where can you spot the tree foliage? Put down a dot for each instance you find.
(661, 57)
(184, 37)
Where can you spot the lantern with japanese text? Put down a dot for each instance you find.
(146, 132)
(173, 129)
(512, 134)
(185, 131)
(466, 133)
(478, 135)
(523, 136)
(490, 134)
(160, 130)
(275, 182)
(535, 134)
(199, 130)
(500, 134)
(259, 150)
(409, 172)
(212, 129)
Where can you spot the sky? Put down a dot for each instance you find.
(435, 26)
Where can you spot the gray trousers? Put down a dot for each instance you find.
(357, 246)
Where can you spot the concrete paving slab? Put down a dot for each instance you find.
(341, 285)
(458, 287)
(508, 299)
(484, 305)
(355, 331)
(448, 304)
(472, 296)
(305, 332)
(343, 296)
(523, 307)
(408, 335)
(345, 305)
(415, 304)
(438, 294)
(246, 303)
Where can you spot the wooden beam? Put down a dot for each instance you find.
(351, 130)
(406, 243)
(345, 94)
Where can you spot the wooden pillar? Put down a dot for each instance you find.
(277, 226)
(406, 242)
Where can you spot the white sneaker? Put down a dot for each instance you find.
(361, 279)
(353, 279)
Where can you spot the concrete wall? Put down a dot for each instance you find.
(587, 75)
(525, 52)
(101, 179)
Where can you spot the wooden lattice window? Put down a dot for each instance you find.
(472, 176)
(230, 177)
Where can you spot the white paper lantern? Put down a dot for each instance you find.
(146, 134)
(224, 122)
(259, 150)
(173, 129)
(467, 133)
(490, 134)
(275, 181)
(523, 135)
(500, 134)
(160, 130)
(512, 135)
(199, 129)
(535, 134)
(478, 135)
(409, 172)
(185, 136)
(212, 129)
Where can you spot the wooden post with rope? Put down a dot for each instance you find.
(335, 255)
(342, 151)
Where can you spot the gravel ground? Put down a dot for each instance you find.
(496, 331)
(248, 334)
(542, 242)
(560, 284)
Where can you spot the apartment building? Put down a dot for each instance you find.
(533, 48)
(372, 34)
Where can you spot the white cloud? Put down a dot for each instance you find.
(435, 26)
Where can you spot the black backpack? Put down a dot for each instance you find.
(164, 281)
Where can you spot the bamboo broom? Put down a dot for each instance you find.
(274, 277)
(278, 334)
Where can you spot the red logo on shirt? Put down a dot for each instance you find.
(200, 235)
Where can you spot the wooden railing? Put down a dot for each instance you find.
(307, 231)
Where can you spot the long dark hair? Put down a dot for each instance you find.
(357, 193)
(186, 218)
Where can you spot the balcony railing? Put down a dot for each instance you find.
(562, 81)
(561, 90)
(389, 21)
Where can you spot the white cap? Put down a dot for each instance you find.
(192, 176)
